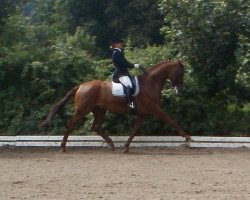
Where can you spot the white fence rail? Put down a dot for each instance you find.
(139, 141)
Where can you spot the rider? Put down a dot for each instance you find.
(121, 69)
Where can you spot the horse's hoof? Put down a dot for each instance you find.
(126, 151)
(63, 151)
(111, 146)
(189, 139)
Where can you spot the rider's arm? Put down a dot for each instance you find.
(120, 60)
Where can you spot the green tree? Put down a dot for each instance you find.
(138, 19)
(39, 62)
(213, 38)
(207, 34)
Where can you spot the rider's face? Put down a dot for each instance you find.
(118, 45)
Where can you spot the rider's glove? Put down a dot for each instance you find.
(136, 65)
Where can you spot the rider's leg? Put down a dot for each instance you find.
(126, 82)
(128, 93)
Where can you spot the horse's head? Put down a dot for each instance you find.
(176, 77)
(173, 71)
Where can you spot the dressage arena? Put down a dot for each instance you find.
(152, 173)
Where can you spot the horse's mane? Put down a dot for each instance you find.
(153, 67)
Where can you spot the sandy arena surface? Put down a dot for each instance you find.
(145, 173)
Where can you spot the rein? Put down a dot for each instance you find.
(148, 74)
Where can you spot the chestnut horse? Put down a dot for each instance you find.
(96, 97)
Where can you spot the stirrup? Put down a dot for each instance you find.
(132, 105)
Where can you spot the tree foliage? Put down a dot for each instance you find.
(208, 33)
(139, 19)
(38, 64)
(213, 38)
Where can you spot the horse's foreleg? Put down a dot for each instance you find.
(99, 116)
(159, 113)
(135, 130)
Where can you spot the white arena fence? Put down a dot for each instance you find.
(119, 141)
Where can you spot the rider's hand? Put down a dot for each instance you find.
(137, 65)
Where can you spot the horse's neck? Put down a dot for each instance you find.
(160, 72)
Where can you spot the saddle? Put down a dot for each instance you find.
(117, 88)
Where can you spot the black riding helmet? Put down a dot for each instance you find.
(115, 41)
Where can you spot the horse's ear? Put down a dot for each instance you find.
(179, 61)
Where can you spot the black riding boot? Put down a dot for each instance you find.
(128, 93)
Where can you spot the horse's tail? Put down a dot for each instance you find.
(58, 106)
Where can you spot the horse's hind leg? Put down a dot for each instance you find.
(135, 130)
(69, 128)
(99, 115)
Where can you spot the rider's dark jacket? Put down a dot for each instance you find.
(121, 64)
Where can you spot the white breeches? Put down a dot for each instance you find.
(125, 80)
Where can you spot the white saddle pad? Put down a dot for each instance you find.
(117, 89)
